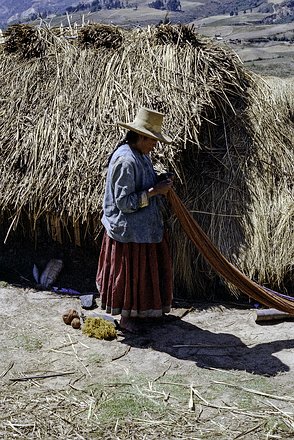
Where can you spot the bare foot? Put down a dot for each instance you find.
(128, 324)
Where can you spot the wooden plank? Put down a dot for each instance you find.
(271, 315)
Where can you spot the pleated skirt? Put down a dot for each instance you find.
(135, 279)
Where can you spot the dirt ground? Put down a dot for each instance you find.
(211, 372)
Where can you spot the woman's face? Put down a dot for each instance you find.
(145, 144)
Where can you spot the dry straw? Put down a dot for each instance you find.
(143, 409)
(27, 41)
(232, 150)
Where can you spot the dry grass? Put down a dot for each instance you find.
(214, 374)
(29, 42)
(271, 245)
(58, 124)
(97, 36)
(140, 410)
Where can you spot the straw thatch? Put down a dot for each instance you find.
(231, 151)
(270, 247)
(98, 35)
(27, 41)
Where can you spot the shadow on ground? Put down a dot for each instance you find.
(186, 341)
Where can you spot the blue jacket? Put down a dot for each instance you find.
(129, 175)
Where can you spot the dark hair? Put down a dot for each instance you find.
(130, 138)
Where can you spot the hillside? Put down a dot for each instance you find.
(123, 11)
(282, 13)
(262, 33)
(20, 10)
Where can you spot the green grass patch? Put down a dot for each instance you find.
(128, 404)
(29, 343)
(133, 397)
(96, 358)
(124, 401)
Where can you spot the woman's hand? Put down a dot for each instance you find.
(161, 188)
(165, 176)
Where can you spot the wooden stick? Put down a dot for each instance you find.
(121, 355)
(259, 393)
(19, 379)
(7, 369)
(271, 315)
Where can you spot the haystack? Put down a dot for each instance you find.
(232, 148)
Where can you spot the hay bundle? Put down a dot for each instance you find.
(178, 35)
(269, 256)
(242, 191)
(100, 35)
(26, 41)
(57, 135)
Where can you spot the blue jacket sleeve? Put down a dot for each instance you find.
(124, 186)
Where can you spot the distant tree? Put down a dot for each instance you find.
(266, 9)
(170, 5)
(231, 13)
(173, 5)
(34, 17)
(157, 4)
(96, 6)
(82, 7)
(79, 7)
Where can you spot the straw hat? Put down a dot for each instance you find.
(148, 122)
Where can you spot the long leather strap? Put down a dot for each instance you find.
(221, 265)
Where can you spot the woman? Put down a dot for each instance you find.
(134, 275)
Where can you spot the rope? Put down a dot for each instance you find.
(221, 265)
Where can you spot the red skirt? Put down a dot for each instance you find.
(135, 279)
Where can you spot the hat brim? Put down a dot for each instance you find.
(151, 134)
